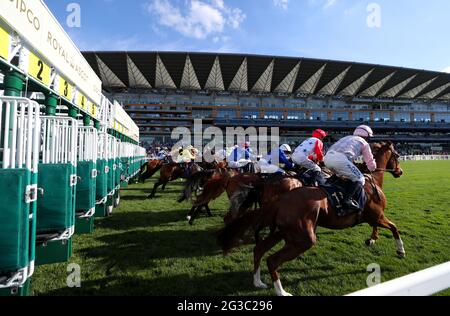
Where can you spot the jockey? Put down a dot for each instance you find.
(340, 159)
(240, 157)
(271, 163)
(161, 154)
(221, 155)
(309, 153)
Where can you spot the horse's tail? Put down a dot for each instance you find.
(193, 183)
(243, 199)
(228, 238)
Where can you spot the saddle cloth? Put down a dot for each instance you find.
(335, 188)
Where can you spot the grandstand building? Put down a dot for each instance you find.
(164, 90)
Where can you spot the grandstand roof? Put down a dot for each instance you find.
(121, 71)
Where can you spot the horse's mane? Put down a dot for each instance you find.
(379, 147)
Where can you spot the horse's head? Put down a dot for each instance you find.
(388, 158)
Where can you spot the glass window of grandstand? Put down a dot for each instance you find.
(295, 104)
(296, 116)
(382, 117)
(227, 114)
(319, 116)
(250, 115)
(198, 114)
(442, 118)
(402, 117)
(340, 116)
(422, 117)
(275, 115)
(361, 116)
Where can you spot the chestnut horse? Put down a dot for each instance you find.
(223, 180)
(297, 214)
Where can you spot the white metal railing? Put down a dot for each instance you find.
(19, 134)
(102, 145)
(425, 157)
(60, 138)
(20, 126)
(424, 283)
(87, 143)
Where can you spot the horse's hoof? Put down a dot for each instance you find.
(188, 218)
(261, 286)
(370, 242)
(401, 254)
(286, 294)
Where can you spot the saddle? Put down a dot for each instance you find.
(335, 189)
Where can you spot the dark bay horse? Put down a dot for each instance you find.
(297, 214)
(171, 172)
(149, 169)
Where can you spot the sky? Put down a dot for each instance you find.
(405, 33)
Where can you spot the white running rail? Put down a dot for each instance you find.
(424, 283)
(425, 157)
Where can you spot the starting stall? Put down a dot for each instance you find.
(111, 186)
(65, 149)
(19, 158)
(101, 207)
(58, 181)
(87, 176)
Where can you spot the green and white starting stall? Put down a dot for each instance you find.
(87, 179)
(64, 147)
(58, 181)
(19, 158)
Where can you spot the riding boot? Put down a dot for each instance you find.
(354, 190)
(318, 178)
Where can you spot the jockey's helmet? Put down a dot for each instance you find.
(363, 131)
(320, 134)
(286, 148)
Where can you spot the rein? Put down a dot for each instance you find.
(385, 170)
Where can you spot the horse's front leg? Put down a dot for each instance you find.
(385, 223)
(373, 239)
(155, 187)
(208, 210)
(190, 214)
(259, 251)
(195, 210)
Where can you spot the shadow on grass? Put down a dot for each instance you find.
(125, 221)
(142, 197)
(221, 284)
(141, 249)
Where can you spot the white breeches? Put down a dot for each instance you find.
(301, 160)
(343, 167)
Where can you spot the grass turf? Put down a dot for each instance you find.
(147, 247)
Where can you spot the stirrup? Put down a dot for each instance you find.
(351, 205)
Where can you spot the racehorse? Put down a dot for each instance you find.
(266, 191)
(222, 180)
(297, 214)
(149, 169)
(171, 172)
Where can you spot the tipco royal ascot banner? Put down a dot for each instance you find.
(35, 24)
